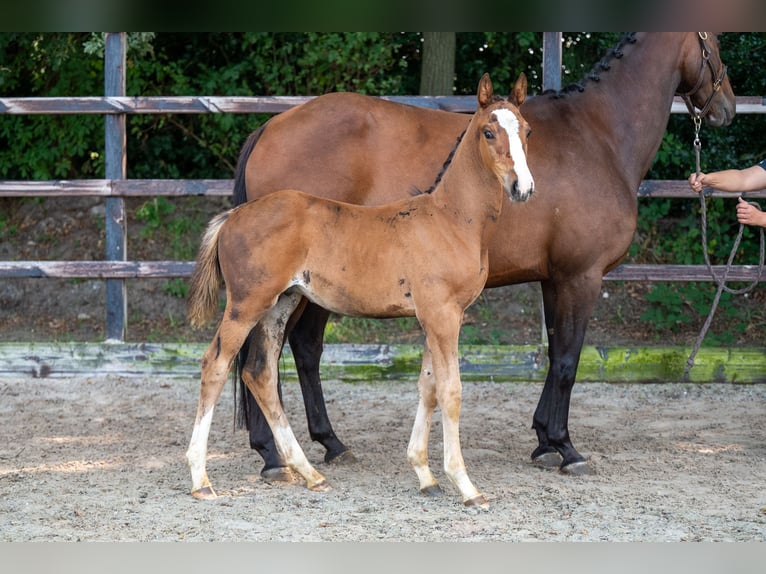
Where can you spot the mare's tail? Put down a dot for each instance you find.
(206, 281)
(239, 196)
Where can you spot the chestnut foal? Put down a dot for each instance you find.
(425, 256)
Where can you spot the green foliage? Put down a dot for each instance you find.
(52, 147)
(177, 233)
(152, 213)
(6, 229)
(505, 54)
(176, 287)
(667, 310)
(341, 329)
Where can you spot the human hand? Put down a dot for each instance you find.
(749, 214)
(695, 181)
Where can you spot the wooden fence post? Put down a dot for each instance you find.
(551, 81)
(551, 60)
(115, 164)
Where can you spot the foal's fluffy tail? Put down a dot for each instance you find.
(206, 281)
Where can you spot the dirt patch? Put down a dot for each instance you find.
(103, 459)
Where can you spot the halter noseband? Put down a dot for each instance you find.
(717, 81)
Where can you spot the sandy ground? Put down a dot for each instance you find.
(103, 460)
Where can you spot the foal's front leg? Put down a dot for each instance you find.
(439, 383)
(417, 450)
(442, 337)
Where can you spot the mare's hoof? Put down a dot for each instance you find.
(278, 474)
(577, 469)
(548, 459)
(433, 491)
(477, 502)
(205, 493)
(345, 457)
(323, 486)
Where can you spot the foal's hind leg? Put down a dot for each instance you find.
(215, 367)
(260, 374)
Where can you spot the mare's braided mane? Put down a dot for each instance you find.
(445, 165)
(595, 73)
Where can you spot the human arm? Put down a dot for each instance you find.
(735, 180)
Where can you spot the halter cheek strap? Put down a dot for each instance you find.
(717, 81)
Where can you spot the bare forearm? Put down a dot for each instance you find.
(726, 180)
(733, 180)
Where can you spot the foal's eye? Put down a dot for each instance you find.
(489, 135)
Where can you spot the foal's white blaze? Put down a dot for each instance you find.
(510, 123)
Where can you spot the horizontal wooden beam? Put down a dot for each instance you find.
(96, 269)
(682, 273)
(117, 187)
(507, 363)
(668, 188)
(255, 104)
(201, 105)
(169, 269)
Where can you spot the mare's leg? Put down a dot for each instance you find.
(568, 306)
(417, 450)
(442, 328)
(259, 432)
(275, 468)
(215, 367)
(306, 343)
(260, 376)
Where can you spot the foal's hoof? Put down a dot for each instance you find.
(577, 469)
(278, 474)
(433, 491)
(344, 457)
(323, 486)
(205, 493)
(477, 501)
(548, 459)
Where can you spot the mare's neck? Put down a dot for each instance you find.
(632, 99)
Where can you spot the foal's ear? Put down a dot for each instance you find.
(485, 92)
(519, 92)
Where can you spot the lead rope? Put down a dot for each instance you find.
(720, 281)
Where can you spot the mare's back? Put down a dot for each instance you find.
(353, 148)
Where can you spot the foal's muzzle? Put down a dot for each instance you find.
(519, 190)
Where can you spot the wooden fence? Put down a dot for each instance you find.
(114, 269)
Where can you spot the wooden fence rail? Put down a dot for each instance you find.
(116, 106)
(256, 104)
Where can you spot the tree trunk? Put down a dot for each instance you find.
(437, 76)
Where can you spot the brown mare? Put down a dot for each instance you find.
(592, 144)
(423, 256)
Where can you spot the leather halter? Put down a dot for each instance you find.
(717, 81)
